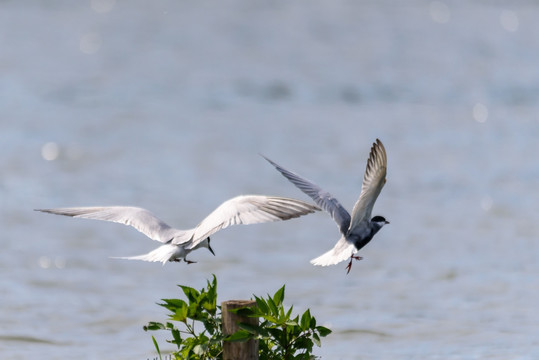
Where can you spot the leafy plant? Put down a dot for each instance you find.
(281, 336)
(201, 307)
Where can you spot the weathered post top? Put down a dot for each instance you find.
(247, 350)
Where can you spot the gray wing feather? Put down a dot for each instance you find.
(249, 209)
(321, 197)
(373, 182)
(141, 219)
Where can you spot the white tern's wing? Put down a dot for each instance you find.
(249, 209)
(141, 219)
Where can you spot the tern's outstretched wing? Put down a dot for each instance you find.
(373, 182)
(249, 209)
(141, 219)
(321, 197)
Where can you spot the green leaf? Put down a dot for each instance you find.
(270, 318)
(245, 311)
(272, 307)
(210, 325)
(305, 320)
(279, 296)
(262, 305)
(253, 329)
(209, 305)
(289, 312)
(192, 294)
(186, 350)
(304, 343)
(154, 326)
(193, 312)
(316, 340)
(212, 288)
(313, 323)
(278, 334)
(180, 314)
(324, 331)
(240, 335)
(156, 347)
(173, 304)
(291, 323)
(177, 337)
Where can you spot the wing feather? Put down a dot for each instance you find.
(139, 218)
(321, 197)
(249, 209)
(373, 182)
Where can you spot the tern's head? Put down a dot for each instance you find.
(204, 243)
(379, 220)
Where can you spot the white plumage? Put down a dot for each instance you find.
(245, 210)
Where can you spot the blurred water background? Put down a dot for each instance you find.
(167, 104)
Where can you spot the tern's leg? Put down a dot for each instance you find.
(189, 261)
(349, 266)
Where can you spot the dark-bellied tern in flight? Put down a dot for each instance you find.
(356, 230)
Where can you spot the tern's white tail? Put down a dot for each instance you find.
(340, 252)
(162, 254)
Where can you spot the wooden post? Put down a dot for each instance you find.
(247, 350)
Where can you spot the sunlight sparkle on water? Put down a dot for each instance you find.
(46, 262)
(50, 151)
(90, 43)
(480, 112)
(439, 12)
(486, 203)
(102, 6)
(509, 20)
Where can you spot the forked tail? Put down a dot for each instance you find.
(340, 252)
(162, 254)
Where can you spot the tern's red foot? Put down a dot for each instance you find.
(349, 266)
(190, 262)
